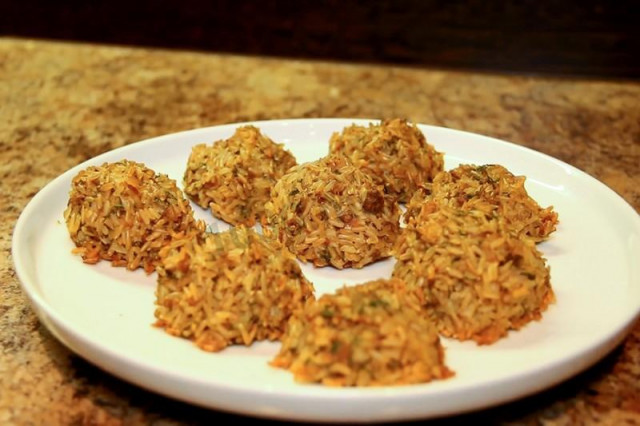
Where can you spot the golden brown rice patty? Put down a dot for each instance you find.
(233, 177)
(394, 152)
(228, 288)
(331, 213)
(478, 280)
(125, 213)
(493, 190)
(371, 334)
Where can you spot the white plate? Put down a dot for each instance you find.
(104, 314)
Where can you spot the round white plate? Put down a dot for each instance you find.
(105, 314)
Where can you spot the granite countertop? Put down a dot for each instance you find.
(61, 104)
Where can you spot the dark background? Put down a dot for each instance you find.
(577, 38)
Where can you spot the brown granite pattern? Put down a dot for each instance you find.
(61, 104)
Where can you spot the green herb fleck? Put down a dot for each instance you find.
(327, 312)
(325, 255)
(378, 302)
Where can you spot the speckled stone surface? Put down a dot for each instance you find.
(61, 104)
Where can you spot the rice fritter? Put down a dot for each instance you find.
(125, 213)
(233, 177)
(372, 334)
(478, 280)
(493, 190)
(395, 153)
(234, 287)
(329, 212)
